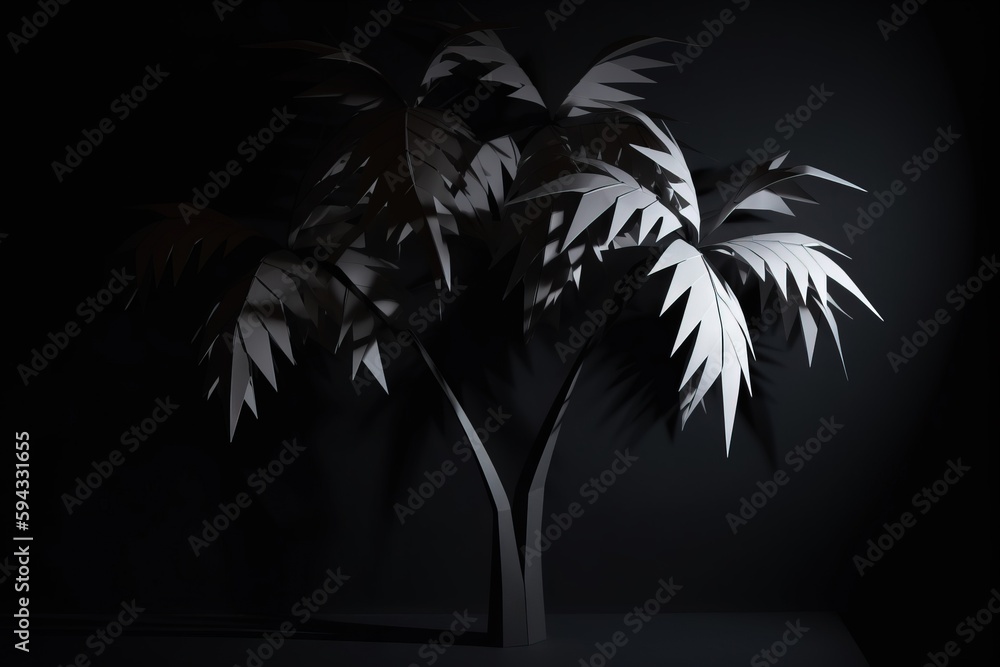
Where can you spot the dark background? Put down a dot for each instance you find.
(333, 507)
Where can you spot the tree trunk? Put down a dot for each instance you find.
(507, 624)
(507, 614)
(517, 595)
(530, 499)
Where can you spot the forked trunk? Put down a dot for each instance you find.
(529, 501)
(517, 595)
(507, 624)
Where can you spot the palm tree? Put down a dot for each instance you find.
(407, 182)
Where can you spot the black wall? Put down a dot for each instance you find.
(666, 517)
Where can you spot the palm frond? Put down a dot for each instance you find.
(407, 178)
(713, 316)
(490, 175)
(493, 64)
(773, 258)
(597, 87)
(769, 185)
(281, 304)
(360, 87)
(174, 242)
(628, 187)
